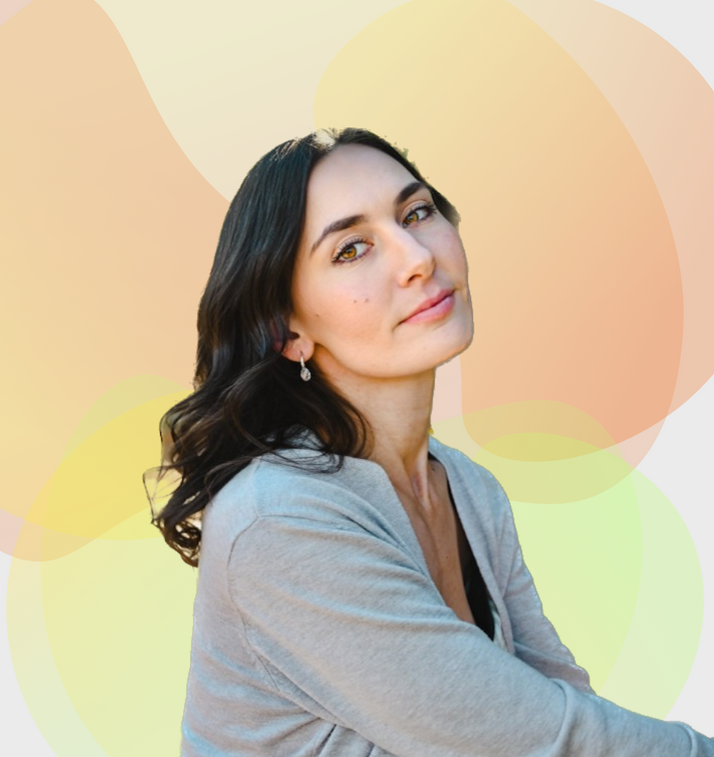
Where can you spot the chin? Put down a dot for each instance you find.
(452, 354)
(453, 347)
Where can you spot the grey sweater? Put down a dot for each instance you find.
(318, 632)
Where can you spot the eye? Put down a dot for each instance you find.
(420, 213)
(348, 251)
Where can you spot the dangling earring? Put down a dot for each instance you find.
(304, 372)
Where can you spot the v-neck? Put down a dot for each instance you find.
(476, 541)
(466, 556)
(477, 594)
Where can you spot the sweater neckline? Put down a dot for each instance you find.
(458, 494)
(441, 452)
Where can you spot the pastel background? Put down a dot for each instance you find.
(575, 137)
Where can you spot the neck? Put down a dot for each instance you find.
(399, 414)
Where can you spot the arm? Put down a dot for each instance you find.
(344, 622)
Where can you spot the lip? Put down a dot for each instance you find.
(430, 305)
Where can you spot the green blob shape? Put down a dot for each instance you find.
(661, 644)
(586, 559)
(618, 573)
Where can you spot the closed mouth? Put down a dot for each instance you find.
(428, 304)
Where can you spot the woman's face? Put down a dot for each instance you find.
(374, 250)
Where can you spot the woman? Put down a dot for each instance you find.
(361, 588)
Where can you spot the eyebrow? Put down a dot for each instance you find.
(346, 223)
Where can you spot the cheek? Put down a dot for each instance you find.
(350, 309)
(358, 304)
(455, 251)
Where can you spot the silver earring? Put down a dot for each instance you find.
(304, 372)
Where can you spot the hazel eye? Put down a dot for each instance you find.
(419, 213)
(348, 252)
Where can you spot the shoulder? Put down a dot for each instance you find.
(303, 484)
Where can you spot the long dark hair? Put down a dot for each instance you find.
(248, 398)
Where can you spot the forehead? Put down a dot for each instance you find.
(350, 179)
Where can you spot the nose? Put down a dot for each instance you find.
(413, 257)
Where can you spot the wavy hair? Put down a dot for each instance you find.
(248, 399)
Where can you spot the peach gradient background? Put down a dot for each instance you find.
(575, 141)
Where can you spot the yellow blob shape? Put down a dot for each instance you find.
(588, 473)
(555, 419)
(42, 688)
(99, 483)
(521, 445)
(118, 399)
(118, 616)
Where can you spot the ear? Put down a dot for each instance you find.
(300, 345)
(296, 344)
(296, 347)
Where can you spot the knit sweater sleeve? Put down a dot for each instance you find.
(346, 623)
